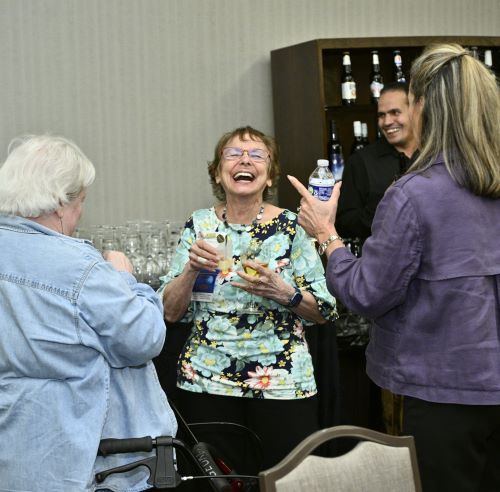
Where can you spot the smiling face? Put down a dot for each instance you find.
(394, 121)
(244, 176)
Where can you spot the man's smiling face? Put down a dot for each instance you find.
(394, 119)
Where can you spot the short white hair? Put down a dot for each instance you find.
(42, 173)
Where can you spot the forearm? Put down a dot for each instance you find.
(308, 309)
(177, 295)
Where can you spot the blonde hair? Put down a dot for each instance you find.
(460, 117)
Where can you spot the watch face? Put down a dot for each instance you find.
(296, 298)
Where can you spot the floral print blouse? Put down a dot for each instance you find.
(261, 355)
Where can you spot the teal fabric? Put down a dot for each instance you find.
(257, 356)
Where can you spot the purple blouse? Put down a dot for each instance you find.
(429, 278)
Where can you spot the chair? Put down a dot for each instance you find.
(378, 463)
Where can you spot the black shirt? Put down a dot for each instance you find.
(367, 174)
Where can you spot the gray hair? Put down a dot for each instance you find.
(42, 173)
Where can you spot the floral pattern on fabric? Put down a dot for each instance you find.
(261, 355)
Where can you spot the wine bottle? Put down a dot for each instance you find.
(488, 59)
(364, 133)
(348, 83)
(377, 82)
(399, 75)
(357, 144)
(474, 51)
(335, 156)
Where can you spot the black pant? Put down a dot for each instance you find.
(458, 446)
(280, 424)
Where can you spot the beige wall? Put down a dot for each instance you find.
(146, 87)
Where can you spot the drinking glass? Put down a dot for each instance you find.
(251, 254)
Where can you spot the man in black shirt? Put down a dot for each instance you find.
(371, 170)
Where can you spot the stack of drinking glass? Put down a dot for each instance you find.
(148, 244)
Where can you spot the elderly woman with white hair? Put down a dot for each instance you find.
(78, 332)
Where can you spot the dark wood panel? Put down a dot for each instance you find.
(297, 101)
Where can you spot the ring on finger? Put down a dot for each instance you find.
(202, 260)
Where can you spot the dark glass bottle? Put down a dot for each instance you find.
(377, 82)
(399, 75)
(364, 134)
(474, 51)
(348, 83)
(357, 143)
(335, 155)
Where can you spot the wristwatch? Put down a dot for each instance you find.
(296, 299)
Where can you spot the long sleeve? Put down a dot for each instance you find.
(120, 317)
(378, 281)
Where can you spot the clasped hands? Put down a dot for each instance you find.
(266, 282)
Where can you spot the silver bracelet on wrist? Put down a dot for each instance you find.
(327, 242)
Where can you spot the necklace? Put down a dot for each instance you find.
(249, 226)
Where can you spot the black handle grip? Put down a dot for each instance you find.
(132, 445)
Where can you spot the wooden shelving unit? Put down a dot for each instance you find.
(306, 94)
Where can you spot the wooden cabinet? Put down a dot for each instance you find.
(306, 94)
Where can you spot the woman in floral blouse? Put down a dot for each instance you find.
(239, 364)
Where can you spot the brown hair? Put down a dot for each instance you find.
(246, 133)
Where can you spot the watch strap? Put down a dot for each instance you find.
(296, 298)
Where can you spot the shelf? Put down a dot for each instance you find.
(306, 94)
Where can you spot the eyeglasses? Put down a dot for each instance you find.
(234, 153)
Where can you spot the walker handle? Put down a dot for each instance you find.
(131, 445)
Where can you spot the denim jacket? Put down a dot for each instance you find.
(76, 343)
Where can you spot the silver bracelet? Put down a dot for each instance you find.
(327, 242)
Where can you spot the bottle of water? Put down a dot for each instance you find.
(321, 181)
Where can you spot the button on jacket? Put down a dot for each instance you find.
(429, 277)
(76, 343)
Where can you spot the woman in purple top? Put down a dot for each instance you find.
(429, 276)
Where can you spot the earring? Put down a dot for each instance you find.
(62, 228)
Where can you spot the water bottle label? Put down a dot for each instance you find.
(321, 188)
(348, 90)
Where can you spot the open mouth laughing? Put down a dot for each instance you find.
(243, 176)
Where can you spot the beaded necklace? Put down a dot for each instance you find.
(249, 226)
